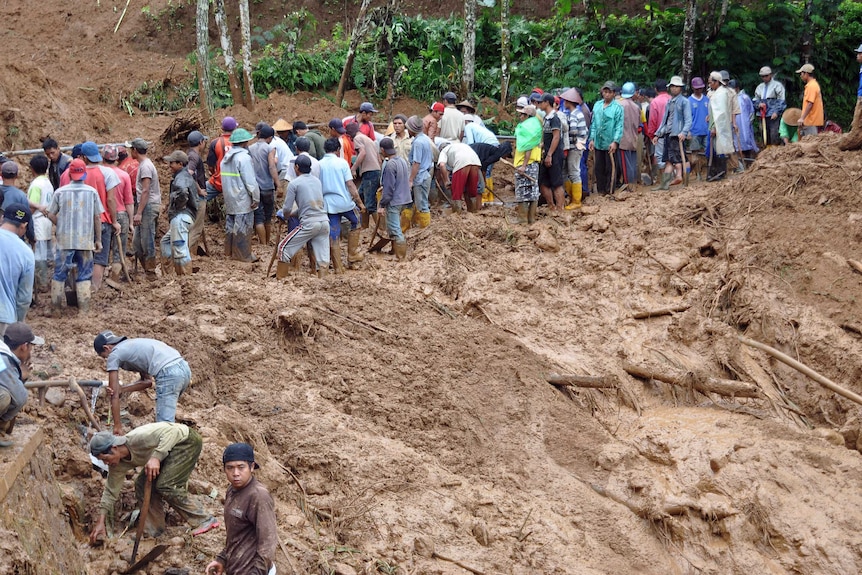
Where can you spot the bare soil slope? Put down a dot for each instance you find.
(402, 404)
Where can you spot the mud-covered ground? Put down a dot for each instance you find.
(406, 402)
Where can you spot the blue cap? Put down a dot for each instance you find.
(91, 152)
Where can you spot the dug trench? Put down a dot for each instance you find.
(403, 416)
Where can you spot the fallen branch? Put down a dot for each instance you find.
(802, 368)
(726, 387)
(73, 384)
(661, 312)
(425, 548)
(667, 508)
(592, 382)
(367, 325)
(857, 266)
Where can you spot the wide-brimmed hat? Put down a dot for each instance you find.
(281, 125)
(676, 81)
(240, 135)
(414, 124)
(791, 116)
(572, 95)
(466, 104)
(697, 83)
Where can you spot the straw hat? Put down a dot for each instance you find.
(791, 116)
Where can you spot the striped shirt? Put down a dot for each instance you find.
(75, 206)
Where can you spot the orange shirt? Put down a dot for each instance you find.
(812, 94)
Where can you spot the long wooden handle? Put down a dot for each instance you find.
(142, 517)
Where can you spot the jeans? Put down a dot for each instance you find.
(145, 233)
(175, 243)
(100, 258)
(335, 223)
(212, 192)
(171, 381)
(393, 222)
(420, 195)
(368, 189)
(64, 260)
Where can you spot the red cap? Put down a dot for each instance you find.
(438, 107)
(538, 90)
(78, 170)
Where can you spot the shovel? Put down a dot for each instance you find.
(684, 171)
(154, 552)
(142, 520)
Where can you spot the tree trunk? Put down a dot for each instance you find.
(505, 74)
(359, 31)
(468, 59)
(248, 83)
(227, 50)
(688, 39)
(204, 87)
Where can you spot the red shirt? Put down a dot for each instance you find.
(218, 148)
(97, 180)
(130, 166)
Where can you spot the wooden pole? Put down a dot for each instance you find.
(802, 368)
(703, 384)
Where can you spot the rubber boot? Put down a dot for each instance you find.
(312, 260)
(83, 291)
(267, 230)
(354, 256)
(400, 249)
(471, 203)
(364, 220)
(665, 182)
(575, 192)
(261, 234)
(182, 269)
(487, 195)
(282, 269)
(228, 244)
(532, 212)
(242, 248)
(42, 276)
(457, 206)
(150, 265)
(423, 219)
(406, 219)
(335, 256)
(523, 208)
(296, 262)
(58, 294)
(167, 265)
(322, 272)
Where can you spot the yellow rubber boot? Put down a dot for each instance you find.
(424, 219)
(406, 219)
(487, 195)
(575, 194)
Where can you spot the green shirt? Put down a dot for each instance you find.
(607, 126)
(151, 440)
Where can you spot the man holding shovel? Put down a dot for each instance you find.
(674, 129)
(168, 453)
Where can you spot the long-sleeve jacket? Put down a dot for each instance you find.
(607, 126)
(396, 183)
(677, 118)
(183, 196)
(252, 536)
(772, 93)
(10, 380)
(238, 182)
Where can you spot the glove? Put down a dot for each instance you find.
(280, 214)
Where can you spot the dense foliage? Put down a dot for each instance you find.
(585, 52)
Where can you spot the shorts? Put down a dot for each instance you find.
(465, 182)
(100, 258)
(697, 143)
(671, 150)
(265, 208)
(552, 177)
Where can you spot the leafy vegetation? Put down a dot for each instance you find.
(567, 51)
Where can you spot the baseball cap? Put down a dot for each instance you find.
(450, 97)
(388, 146)
(609, 85)
(78, 170)
(177, 156)
(236, 452)
(859, 49)
(265, 131)
(9, 168)
(522, 101)
(17, 214)
(766, 71)
(139, 144)
(697, 82)
(807, 68)
(104, 338)
(303, 162)
(529, 109)
(19, 333)
(229, 124)
(367, 107)
(676, 81)
(76, 151)
(110, 152)
(281, 125)
(725, 76)
(195, 137)
(472, 118)
(103, 441)
(437, 107)
(240, 135)
(335, 124)
(536, 96)
(91, 151)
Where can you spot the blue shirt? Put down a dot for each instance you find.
(334, 175)
(859, 89)
(17, 269)
(420, 153)
(699, 114)
(478, 134)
